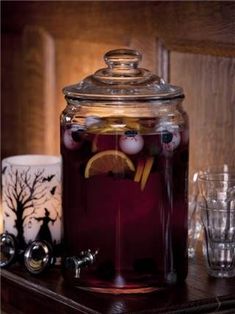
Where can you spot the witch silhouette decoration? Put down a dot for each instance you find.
(44, 231)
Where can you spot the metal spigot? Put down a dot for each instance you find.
(9, 249)
(73, 264)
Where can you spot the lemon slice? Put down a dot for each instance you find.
(108, 161)
(146, 172)
(139, 170)
(94, 147)
(112, 129)
(108, 130)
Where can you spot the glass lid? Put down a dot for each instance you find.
(123, 79)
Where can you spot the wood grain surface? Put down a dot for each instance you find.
(210, 102)
(48, 293)
(47, 45)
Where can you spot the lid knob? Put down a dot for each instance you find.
(122, 79)
(122, 58)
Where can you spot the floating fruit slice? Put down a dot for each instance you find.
(108, 161)
(109, 130)
(94, 147)
(139, 170)
(94, 144)
(146, 172)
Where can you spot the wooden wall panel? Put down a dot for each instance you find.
(210, 102)
(11, 114)
(38, 91)
(204, 22)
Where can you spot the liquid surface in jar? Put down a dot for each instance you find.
(124, 195)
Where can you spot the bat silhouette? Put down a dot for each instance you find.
(49, 178)
(4, 169)
(53, 190)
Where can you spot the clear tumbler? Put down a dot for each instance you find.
(217, 208)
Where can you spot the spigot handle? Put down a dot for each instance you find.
(74, 264)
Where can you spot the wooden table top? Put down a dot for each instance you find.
(24, 293)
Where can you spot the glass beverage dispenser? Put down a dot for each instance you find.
(124, 143)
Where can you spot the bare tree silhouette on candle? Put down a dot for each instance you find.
(23, 195)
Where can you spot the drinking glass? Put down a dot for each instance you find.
(217, 207)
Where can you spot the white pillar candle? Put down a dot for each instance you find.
(31, 198)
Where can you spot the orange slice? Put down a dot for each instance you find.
(108, 161)
(146, 172)
(139, 170)
(110, 130)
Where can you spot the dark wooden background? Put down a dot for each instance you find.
(47, 45)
